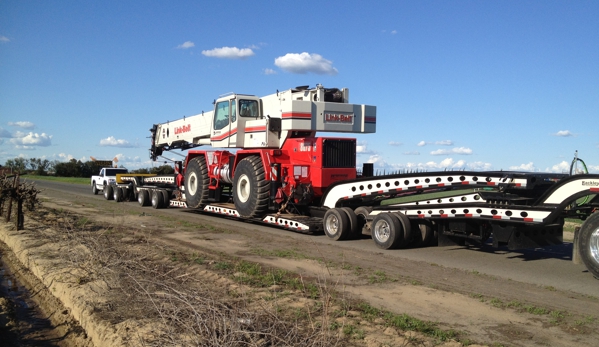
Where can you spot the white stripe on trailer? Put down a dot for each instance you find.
(512, 214)
(456, 199)
(222, 210)
(285, 223)
(176, 203)
(159, 179)
(397, 184)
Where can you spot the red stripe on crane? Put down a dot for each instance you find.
(297, 115)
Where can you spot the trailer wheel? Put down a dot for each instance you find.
(157, 201)
(108, 193)
(354, 230)
(588, 244)
(407, 229)
(143, 198)
(196, 183)
(336, 224)
(387, 231)
(250, 188)
(118, 194)
(166, 198)
(94, 188)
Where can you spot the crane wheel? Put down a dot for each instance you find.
(387, 231)
(588, 243)
(337, 224)
(196, 183)
(251, 191)
(108, 193)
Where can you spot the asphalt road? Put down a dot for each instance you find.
(547, 267)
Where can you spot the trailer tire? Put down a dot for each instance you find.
(94, 188)
(336, 224)
(157, 201)
(118, 194)
(108, 193)
(588, 244)
(143, 197)
(251, 191)
(354, 230)
(387, 231)
(407, 230)
(166, 198)
(196, 183)
(425, 236)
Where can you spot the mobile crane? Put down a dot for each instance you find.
(283, 174)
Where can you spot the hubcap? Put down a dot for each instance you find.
(594, 244)
(243, 188)
(332, 224)
(382, 231)
(192, 183)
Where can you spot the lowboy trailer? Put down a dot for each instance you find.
(282, 174)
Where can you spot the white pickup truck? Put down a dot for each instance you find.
(107, 176)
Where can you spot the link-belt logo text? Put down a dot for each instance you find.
(183, 129)
(590, 183)
(338, 118)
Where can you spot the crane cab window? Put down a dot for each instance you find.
(248, 108)
(224, 111)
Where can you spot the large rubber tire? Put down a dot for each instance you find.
(157, 201)
(354, 228)
(143, 197)
(250, 188)
(407, 230)
(336, 224)
(196, 183)
(94, 188)
(108, 193)
(588, 243)
(387, 231)
(118, 194)
(166, 198)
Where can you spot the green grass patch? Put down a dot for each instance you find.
(75, 180)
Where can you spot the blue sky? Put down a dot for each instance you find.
(481, 85)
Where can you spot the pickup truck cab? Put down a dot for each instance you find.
(106, 177)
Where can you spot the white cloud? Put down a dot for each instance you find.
(563, 133)
(303, 63)
(4, 39)
(113, 142)
(479, 166)
(411, 153)
(65, 157)
(22, 124)
(362, 148)
(229, 53)
(395, 143)
(30, 140)
(186, 45)
(563, 167)
(457, 150)
(269, 72)
(524, 167)
(393, 32)
(593, 168)
(422, 143)
(444, 143)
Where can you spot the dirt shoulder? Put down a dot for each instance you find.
(340, 296)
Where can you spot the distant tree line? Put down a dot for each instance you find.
(71, 168)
